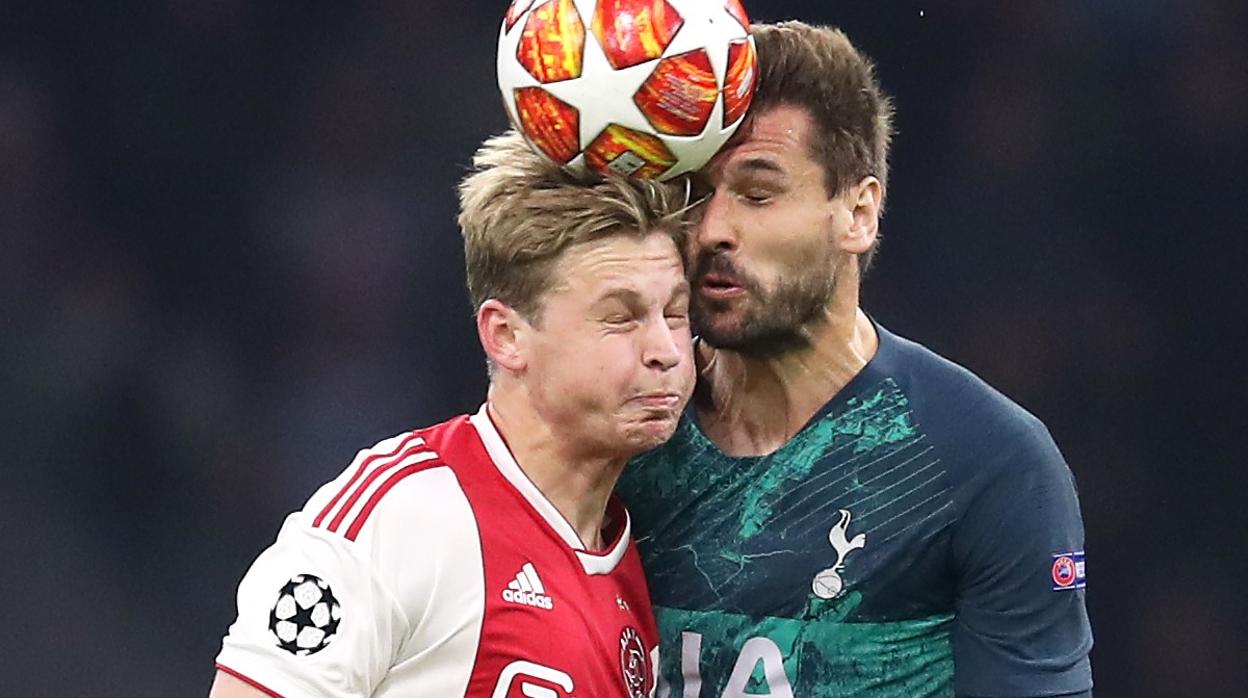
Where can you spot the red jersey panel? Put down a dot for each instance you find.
(559, 621)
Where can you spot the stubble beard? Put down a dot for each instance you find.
(765, 322)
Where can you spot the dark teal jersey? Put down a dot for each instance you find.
(920, 536)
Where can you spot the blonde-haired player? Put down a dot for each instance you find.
(485, 556)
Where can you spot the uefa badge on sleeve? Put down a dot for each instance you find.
(305, 617)
(1069, 571)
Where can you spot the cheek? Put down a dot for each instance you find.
(806, 223)
(593, 365)
(798, 237)
(688, 368)
(614, 359)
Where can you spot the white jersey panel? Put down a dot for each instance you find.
(410, 589)
(426, 547)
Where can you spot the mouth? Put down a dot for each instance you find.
(719, 286)
(662, 401)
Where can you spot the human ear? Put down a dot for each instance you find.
(502, 332)
(863, 201)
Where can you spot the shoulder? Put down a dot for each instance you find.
(960, 411)
(401, 510)
(391, 549)
(994, 451)
(405, 466)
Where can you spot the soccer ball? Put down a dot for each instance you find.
(305, 617)
(646, 88)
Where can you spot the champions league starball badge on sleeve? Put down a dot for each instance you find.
(305, 617)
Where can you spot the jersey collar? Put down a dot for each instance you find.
(500, 455)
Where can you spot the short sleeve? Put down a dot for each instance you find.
(1021, 625)
(313, 619)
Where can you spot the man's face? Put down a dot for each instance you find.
(762, 258)
(610, 363)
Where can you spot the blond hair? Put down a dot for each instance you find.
(519, 212)
(818, 69)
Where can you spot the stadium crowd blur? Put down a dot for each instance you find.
(228, 260)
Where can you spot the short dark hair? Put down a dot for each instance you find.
(818, 69)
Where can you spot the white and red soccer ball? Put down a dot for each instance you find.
(646, 88)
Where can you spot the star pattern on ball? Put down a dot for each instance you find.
(648, 93)
(618, 106)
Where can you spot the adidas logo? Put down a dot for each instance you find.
(527, 589)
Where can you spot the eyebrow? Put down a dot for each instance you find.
(627, 295)
(760, 165)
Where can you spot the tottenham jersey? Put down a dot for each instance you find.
(920, 536)
(432, 567)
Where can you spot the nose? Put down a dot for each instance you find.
(664, 346)
(714, 231)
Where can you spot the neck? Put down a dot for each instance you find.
(577, 484)
(752, 405)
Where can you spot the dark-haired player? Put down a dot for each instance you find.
(843, 512)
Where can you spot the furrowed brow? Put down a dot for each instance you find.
(625, 295)
(757, 165)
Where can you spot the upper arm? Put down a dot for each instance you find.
(227, 686)
(1017, 631)
(404, 594)
(314, 619)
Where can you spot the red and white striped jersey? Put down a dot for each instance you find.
(433, 568)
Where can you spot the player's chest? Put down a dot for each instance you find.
(803, 547)
(551, 630)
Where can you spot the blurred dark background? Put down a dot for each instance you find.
(228, 261)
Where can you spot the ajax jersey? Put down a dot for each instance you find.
(432, 567)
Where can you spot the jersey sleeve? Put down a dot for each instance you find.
(1021, 625)
(313, 618)
(376, 586)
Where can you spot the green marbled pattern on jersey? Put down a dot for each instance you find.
(864, 426)
(732, 546)
(908, 659)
